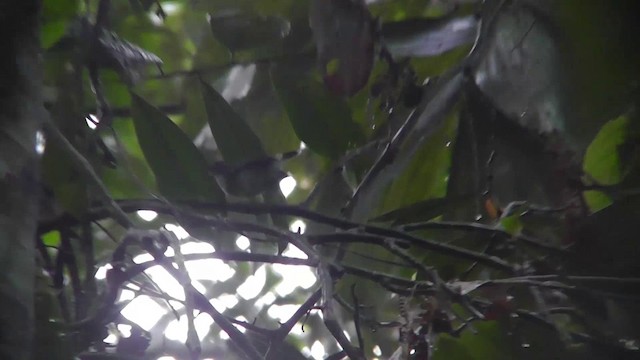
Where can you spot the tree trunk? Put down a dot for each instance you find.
(21, 113)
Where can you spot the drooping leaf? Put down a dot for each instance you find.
(236, 141)
(180, 169)
(247, 169)
(428, 37)
(343, 32)
(320, 119)
(265, 115)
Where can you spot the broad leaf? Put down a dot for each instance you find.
(426, 174)
(428, 37)
(180, 169)
(262, 111)
(235, 139)
(247, 169)
(321, 120)
(56, 18)
(602, 159)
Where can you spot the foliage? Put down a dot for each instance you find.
(439, 174)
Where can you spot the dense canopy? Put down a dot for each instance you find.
(321, 179)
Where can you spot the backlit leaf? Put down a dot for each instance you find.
(320, 119)
(428, 37)
(180, 169)
(235, 139)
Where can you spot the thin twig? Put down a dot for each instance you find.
(69, 259)
(88, 252)
(200, 302)
(193, 342)
(296, 239)
(356, 316)
(330, 318)
(86, 170)
(285, 328)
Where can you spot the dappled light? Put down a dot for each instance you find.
(147, 215)
(321, 179)
(143, 311)
(287, 185)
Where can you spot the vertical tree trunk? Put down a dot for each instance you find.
(21, 113)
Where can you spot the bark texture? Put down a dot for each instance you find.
(21, 113)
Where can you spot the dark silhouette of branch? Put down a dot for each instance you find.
(330, 319)
(200, 302)
(285, 328)
(256, 209)
(86, 170)
(356, 316)
(136, 269)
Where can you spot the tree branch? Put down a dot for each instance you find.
(256, 208)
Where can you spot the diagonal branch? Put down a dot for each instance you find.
(372, 233)
(86, 170)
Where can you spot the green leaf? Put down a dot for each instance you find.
(320, 119)
(427, 174)
(249, 170)
(421, 210)
(236, 141)
(612, 160)
(51, 32)
(597, 200)
(602, 160)
(59, 9)
(262, 111)
(180, 169)
(427, 36)
(51, 238)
